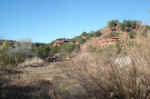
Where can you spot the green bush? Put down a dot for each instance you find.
(97, 33)
(146, 30)
(67, 47)
(42, 51)
(118, 47)
(128, 25)
(84, 34)
(112, 24)
(79, 39)
(115, 34)
(132, 35)
(54, 49)
(6, 59)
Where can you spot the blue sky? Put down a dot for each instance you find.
(46, 20)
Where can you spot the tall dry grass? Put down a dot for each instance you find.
(95, 75)
(102, 79)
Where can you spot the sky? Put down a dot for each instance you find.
(47, 20)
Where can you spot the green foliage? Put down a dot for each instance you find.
(54, 49)
(115, 34)
(132, 35)
(42, 51)
(97, 33)
(67, 47)
(146, 30)
(93, 34)
(112, 24)
(132, 43)
(144, 34)
(118, 47)
(50, 50)
(84, 34)
(4, 46)
(111, 46)
(79, 39)
(128, 25)
(3, 53)
(17, 58)
(6, 59)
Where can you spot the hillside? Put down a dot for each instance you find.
(66, 48)
(110, 63)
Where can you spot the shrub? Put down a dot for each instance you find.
(84, 34)
(128, 25)
(145, 30)
(7, 59)
(68, 47)
(115, 34)
(54, 49)
(79, 39)
(4, 59)
(104, 80)
(112, 24)
(118, 47)
(42, 51)
(132, 35)
(50, 50)
(97, 33)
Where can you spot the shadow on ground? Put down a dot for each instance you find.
(34, 90)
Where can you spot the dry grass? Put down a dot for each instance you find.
(35, 61)
(95, 76)
(104, 80)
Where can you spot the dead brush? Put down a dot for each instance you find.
(104, 80)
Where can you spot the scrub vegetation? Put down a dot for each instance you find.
(64, 69)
